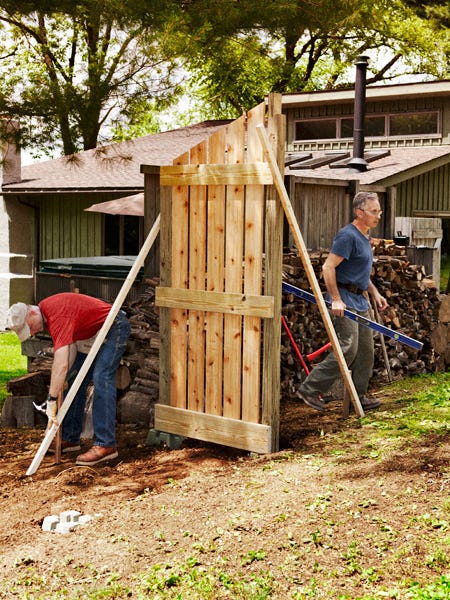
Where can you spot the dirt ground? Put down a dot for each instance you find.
(326, 517)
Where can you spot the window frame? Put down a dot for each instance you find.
(387, 126)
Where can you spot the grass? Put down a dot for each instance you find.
(12, 363)
(445, 272)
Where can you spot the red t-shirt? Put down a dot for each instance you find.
(72, 317)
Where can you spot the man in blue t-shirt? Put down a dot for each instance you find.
(346, 272)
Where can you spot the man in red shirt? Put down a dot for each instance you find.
(70, 318)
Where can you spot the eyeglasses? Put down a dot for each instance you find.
(375, 213)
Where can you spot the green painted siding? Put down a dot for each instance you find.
(430, 192)
(66, 230)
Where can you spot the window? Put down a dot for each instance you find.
(318, 129)
(414, 124)
(123, 235)
(386, 125)
(373, 127)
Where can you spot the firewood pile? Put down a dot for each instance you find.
(416, 309)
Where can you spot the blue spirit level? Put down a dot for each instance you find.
(395, 335)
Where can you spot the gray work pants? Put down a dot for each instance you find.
(356, 342)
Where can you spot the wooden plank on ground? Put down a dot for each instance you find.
(253, 253)
(232, 357)
(179, 270)
(212, 428)
(222, 302)
(197, 278)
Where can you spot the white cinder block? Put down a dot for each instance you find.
(50, 523)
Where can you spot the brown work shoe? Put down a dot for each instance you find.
(95, 455)
(65, 447)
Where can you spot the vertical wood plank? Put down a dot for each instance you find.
(165, 248)
(273, 280)
(179, 256)
(197, 276)
(234, 224)
(253, 256)
(215, 279)
(151, 211)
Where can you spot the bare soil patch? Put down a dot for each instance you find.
(326, 514)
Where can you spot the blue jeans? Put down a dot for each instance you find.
(356, 343)
(103, 375)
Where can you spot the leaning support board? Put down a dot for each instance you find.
(378, 327)
(50, 434)
(290, 216)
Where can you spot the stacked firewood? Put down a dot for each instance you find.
(415, 309)
(141, 360)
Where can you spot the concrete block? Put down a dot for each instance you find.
(65, 522)
(84, 519)
(64, 527)
(70, 516)
(172, 441)
(50, 523)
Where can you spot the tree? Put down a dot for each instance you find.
(66, 75)
(305, 45)
(78, 72)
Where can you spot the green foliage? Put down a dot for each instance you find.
(78, 73)
(197, 582)
(433, 591)
(67, 75)
(12, 363)
(301, 47)
(444, 273)
(423, 410)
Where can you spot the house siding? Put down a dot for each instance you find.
(66, 230)
(427, 192)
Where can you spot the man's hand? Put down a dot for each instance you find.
(337, 308)
(51, 411)
(379, 300)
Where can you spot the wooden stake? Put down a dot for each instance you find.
(290, 216)
(95, 347)
(58, 437)
(375, 316)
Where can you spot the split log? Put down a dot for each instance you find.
(31, 384)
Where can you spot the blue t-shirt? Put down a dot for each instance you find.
(354, 247)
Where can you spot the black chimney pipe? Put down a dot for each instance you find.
(357, 162)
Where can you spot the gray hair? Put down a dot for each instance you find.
(361, 199)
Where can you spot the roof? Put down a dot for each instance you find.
(399, 165)
(373, 93)
(116, 167)
(130, 205)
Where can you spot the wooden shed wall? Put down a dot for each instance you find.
(427, 192)
(320, 211)
(66, 230)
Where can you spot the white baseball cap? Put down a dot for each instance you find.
(16, 320)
